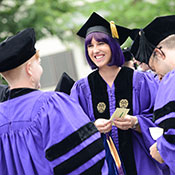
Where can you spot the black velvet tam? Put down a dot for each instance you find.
(149, 37)
(65, 83)
(17, 49)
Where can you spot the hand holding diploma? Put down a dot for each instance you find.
(122, 120)
(103, 125)
(119, 113)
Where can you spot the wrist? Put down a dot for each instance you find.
(136, 123)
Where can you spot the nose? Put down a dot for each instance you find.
(95, 49)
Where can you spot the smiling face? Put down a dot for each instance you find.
(99, 52)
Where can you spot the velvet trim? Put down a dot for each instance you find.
(166, 109)
(170, 138)
(71, 141)
(10, 94)
(95, 169)
(80, 158)
(123, 90)
(167, 124)
(99, 94)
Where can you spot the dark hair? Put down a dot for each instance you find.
(117, 54)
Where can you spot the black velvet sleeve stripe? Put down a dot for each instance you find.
(71, 141)
(166, 109)
(167, 124)
(170, 138)
(96, 169)
(80, 158)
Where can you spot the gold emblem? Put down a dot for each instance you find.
(123, 103)
(101, 107)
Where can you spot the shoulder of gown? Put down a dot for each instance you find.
(164, 112)
(68, 137)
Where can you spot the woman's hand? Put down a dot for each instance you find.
(103, 125)
(126, 122)
(155, 153)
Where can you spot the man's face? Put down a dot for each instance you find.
(158, 62)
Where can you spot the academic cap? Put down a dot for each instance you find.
(148, 38)
(65, 83)
(17, 49)
(127, 54)
(96, 23)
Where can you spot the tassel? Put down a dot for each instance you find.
(114, 30)
(145, 48)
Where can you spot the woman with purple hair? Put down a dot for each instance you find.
(110, 86)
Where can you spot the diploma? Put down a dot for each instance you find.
(119, 113)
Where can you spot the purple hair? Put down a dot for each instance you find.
(117, 54)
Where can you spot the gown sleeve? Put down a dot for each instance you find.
(144, 95)
(164, 114)
(145, 88)
(71, 142)
(80, 92)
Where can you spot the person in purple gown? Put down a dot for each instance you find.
(155, 46)
(110, 86)
(42, 133)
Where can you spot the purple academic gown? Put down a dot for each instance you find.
(143, 97)
(164, 116)
(45, 133)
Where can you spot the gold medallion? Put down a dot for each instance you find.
(123, 103)
(101, 107)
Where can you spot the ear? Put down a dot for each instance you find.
(159, 53)
(29, 68)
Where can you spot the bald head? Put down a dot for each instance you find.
(168, 43)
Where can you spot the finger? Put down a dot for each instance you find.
(107, 128)
(122, 124)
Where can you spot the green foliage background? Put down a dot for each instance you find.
(63, 18)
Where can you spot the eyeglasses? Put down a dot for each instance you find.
(160, 48)
(154, 54)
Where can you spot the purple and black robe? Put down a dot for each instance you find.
(47, 133)
(164, 117)
(135, 89)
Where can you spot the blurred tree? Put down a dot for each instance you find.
(63, 18)
(130, 13)
(47, 17)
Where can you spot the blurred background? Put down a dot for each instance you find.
(57, 21)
